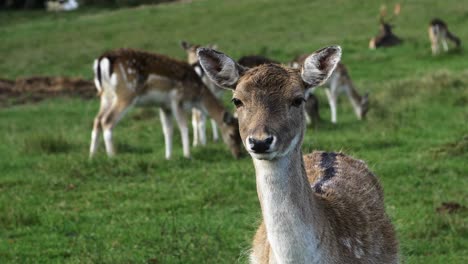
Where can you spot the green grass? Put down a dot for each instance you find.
(57, 206)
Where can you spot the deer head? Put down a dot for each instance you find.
(191, 50)
(269, 98)
(386, 24)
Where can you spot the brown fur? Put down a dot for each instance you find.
(146, 63)
(179, 77)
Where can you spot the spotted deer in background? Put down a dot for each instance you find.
(198, 118)
(127, 77)
(438, 35)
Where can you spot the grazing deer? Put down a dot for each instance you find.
(320, 208)
(386, 37)
(339, 82)
(127, 77)
(198, 118)
(438, 34)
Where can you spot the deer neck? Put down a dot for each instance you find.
(354, 97)
(293, 218)
(211, 105)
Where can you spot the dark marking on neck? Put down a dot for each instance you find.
(327, 163)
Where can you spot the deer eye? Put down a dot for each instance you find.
(238, 103)
(298, 101)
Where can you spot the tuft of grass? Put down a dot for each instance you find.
(46, 144)
(456, 148)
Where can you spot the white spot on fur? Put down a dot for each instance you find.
(295, 65)
(359, 241)
(358, 252)
(155, 77)
(105, 69)
(153, 97)
(346, 242)
(96, 81)
(113, 80)
(130, 71)
(198, 70)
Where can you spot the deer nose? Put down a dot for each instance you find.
(260, 145)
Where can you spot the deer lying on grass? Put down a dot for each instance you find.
(320, 208)
(339, 82)
(438, 35)
(386, 38)
(198, 118)
(127, 77)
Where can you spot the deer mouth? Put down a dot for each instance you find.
(263, 156)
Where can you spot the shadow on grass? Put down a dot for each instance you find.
(452, 149)
(12, 218)
(46, 144)
(124, 148)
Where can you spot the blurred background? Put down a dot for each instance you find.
(56, 205)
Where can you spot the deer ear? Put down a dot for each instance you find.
(320, 65)
(185, 45)
(221, 69)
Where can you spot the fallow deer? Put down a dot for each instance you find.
(438, 35)
(340, 81)
(198, 118)
(318, 208)
(386, 37)
(126, 77)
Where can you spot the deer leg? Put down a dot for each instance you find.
(202, 128)
(214, 127)
(434, 48)
(103, 108)
(308, 118)
(195, 126)
(182, 123)
(110, 119)
(355, 102)
(199, 127)
(332, 102)
(168, 130)
(444, 44)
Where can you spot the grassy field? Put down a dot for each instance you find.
(57, 206)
